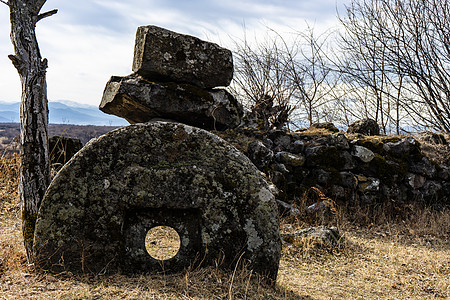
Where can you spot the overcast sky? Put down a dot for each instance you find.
(88, 41)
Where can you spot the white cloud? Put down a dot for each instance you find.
(88, 41)
(82, 58)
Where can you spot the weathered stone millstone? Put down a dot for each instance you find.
(138, 100)
(164, 55)
(99, 207)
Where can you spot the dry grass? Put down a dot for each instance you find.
(9, 174)
(437, 152)
(370, 268)
(162, 242)
(408, 259)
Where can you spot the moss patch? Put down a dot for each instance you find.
(389, 171)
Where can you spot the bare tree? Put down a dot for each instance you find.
(311, 75)
(399, 51)
(35, 166)
(363, 65)
(261, 81)
(280, 80)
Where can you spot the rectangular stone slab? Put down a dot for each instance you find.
(164, 55)
(139, 100)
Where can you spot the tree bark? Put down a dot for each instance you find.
(35, 165)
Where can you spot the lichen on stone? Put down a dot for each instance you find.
(253, 240)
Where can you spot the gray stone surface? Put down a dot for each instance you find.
(99, 207)
(259, 154)
(402, 148)
(321, 235)
(423, 167)
(365, 126)
(415, 181)
(364, 154)
(286, 209)
(139, 100)
(297, 147)
(164, 55)
(290, 159)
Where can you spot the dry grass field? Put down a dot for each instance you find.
(405, 259)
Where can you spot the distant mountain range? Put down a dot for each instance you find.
(64, 112)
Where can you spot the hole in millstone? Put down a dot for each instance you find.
(162, 242)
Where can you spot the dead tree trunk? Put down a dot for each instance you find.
(35, 166)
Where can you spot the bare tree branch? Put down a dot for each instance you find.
(17, 62)
(46, 14)
(4, 2)
(278, 79)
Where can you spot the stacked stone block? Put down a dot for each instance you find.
(176, 77)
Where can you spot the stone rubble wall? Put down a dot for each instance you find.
(349, 168)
